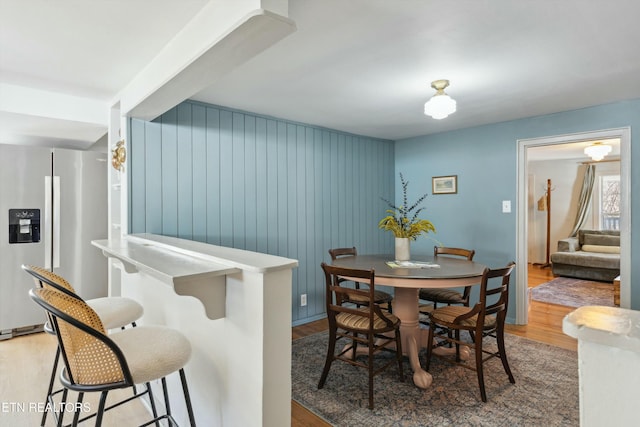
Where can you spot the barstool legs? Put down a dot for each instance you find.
(152, 401)
(65, 391)
(187, 398)
(76, 415)
(100, 412)
(50, 389)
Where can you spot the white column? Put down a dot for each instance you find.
(608, 363)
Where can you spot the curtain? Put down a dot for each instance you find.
(585, 198)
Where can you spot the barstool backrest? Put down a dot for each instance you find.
(45, 278)
(91, 357)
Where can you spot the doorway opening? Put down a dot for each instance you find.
(526, 193)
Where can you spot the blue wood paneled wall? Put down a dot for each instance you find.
(240, 180)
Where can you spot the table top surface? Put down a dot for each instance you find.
(448, 267)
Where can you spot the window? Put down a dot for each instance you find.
(608, 209)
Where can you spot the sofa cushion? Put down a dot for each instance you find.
(601, 249)
(587, 259)
(582, 233)
(601, 240)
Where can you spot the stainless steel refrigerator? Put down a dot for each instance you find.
(53, 202)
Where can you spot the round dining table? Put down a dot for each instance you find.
(424, 271)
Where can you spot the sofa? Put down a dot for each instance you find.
(592, 255)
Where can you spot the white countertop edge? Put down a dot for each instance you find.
(611, 326)
(167, 265)
(246, 260)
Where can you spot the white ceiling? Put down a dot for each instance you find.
(360, 66)
(90, 48)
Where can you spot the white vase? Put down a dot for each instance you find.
(403, 252)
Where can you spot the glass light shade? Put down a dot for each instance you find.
(440, 106)
(597, 151)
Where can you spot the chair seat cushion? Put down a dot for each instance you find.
(116, 312)
(353, 321)
(449, 313)
(379, 296)
(446, 296)
(152, 352)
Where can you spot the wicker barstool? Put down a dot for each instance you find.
(114, 313)
(95, 362)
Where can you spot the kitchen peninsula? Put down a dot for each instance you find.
(234, 307)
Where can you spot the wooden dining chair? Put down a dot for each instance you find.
(446, 296)
(369, 325)
(380, 297)
(484, 319)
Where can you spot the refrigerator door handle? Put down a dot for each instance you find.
(56, 222)
(47, 222)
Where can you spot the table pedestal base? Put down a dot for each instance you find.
(414, 338)
(411, 349)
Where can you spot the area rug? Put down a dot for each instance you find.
(574, 292)
(545, 392)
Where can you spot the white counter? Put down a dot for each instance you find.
(235, 308)
(608, 362)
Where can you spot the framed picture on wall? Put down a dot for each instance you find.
(444, 184)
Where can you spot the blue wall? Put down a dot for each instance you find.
(241, 180)
(237, 179)
(485, 160)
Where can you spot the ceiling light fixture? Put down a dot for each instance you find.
(597, 151)
(440, 105)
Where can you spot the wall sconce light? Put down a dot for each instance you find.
(597, 151)
(440, 105)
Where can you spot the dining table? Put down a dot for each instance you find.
(407, 278)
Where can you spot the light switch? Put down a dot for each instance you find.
(506, 206)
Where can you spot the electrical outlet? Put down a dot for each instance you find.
(303, 300)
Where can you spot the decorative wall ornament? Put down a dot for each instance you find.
(119, 156)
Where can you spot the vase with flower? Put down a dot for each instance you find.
(404, 223)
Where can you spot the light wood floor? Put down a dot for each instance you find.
(26, 361)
